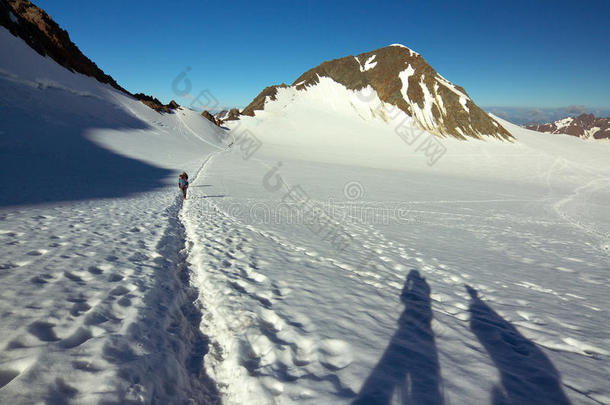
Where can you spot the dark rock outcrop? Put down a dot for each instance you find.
(221, 115)
(227, 115)
(45, 36)
(207, 115)
(232, 115)
(259, 101)
(155, 104)
(584, 126)
(404, 79)
(32, 24)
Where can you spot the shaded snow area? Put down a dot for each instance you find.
(324, 257)
(96, 305)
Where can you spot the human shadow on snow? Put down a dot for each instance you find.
(47, 156)
(409, 365)
(203, 197)
(527, 376)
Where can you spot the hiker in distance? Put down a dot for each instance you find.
(183, 183)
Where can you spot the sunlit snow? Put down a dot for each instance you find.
(487, 267)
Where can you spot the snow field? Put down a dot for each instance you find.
(274, 347)
(500, 217)
(91, 308)
(137, 297)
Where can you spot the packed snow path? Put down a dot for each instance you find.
(95, 306)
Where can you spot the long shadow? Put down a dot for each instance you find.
(527, 375)
(45, 154)
(213, 196)
(409, 365)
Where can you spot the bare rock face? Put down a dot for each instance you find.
(403, 78)
(45, 36)
(221, 115)
(259, 102)
(41, 33)
(231, 115)
(155, 104)
(585, 126)
(207, 115)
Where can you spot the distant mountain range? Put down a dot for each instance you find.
(585, 126)
(542, 115)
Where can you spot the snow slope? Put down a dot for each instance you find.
(328, 265)
(95, 305)
(294, 319)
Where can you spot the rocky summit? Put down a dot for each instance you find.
(45, 36)
(403, 78)
(586, 126)
(32, 24)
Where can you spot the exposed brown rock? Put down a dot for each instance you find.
(155, 104)
(32, 24)
(42, 34)
(226, 115)
(206, 114)
(232, 115)
(221, 115)
(584, 126)
(259, 102)
(451, 118)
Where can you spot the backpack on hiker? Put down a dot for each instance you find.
(183, 183)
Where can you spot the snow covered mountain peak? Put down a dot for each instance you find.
(401, 77)
(586, 126)
(411, 51)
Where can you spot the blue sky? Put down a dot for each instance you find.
(535, 53)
